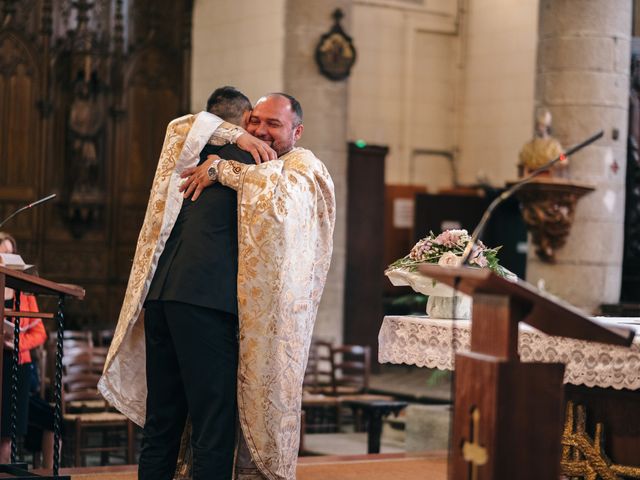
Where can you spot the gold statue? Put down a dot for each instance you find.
(542, 148)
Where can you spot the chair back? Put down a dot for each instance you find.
(351, 366)
(77, 337)
(103, 337)
(77, 382)
(317, 376)
(82, 359)
(80, 393)
(82, 367)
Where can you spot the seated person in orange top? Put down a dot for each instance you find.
(32, 334)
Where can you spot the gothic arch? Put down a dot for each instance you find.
(19, 94)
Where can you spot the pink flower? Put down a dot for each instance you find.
(451, 238)
(480, 260)
(419, 249)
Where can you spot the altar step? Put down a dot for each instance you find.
(432, 466)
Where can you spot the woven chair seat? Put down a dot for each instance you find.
(96, 417)
(79, 406)
(318, 400)
(365, 397)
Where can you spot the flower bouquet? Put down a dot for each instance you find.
(445, 249)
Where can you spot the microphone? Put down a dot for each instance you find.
(26, 207)
(515, 187)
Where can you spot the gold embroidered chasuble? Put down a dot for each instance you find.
(286, 215)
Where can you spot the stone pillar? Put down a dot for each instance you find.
(583, 79)
(325, 120)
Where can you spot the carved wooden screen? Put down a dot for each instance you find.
(87, 88)
(21, 128)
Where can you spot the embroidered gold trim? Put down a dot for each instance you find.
(584, 457)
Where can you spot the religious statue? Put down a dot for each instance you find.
(542, 148)
(85, 122)
(548, 204)
(84, 178)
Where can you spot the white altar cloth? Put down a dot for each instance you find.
(427, 342)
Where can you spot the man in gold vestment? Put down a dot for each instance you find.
(286, 215)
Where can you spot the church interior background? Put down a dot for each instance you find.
(425, 129)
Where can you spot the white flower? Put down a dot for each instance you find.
(450, 259)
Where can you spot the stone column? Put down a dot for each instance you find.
(583, 79)
(324, 103)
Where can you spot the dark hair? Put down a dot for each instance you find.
(229, 104)
(296, 108)
(5, 236)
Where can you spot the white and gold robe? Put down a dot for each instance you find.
(286, 215)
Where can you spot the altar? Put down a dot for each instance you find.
(602, 383)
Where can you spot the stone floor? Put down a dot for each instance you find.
(347, 444)
(429, 428)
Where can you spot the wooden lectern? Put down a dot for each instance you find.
(509, 415)
(22, 282)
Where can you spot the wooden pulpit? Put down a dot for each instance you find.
(509, 415)
(22, 282)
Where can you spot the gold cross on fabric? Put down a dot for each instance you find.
(472, 452)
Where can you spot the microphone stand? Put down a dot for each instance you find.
(26, 207)
(515, 187)
(480, 227)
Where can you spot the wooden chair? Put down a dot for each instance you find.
(80, 393)
(320, 409)
(351, 369)
(86, 413)
(321, 413)
(318, 376)
(72, 339)
(77, 337)
(83, 359)
(104, 337)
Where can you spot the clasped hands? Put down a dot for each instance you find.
(197, 179)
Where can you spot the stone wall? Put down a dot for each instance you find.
(239, 43)
(325, 122)
(444, 76)
(583, 79)
(495, 109)
(403, 90)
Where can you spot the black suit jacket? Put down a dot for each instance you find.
(199, 264)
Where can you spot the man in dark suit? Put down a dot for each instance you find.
(191, 325)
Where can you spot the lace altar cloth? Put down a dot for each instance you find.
(427, 342)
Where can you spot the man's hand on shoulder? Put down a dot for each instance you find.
(197, 179)
(259, 149)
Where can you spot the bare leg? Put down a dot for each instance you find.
(5, 450)
(47, 449)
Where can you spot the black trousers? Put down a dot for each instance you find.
(192, 358)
